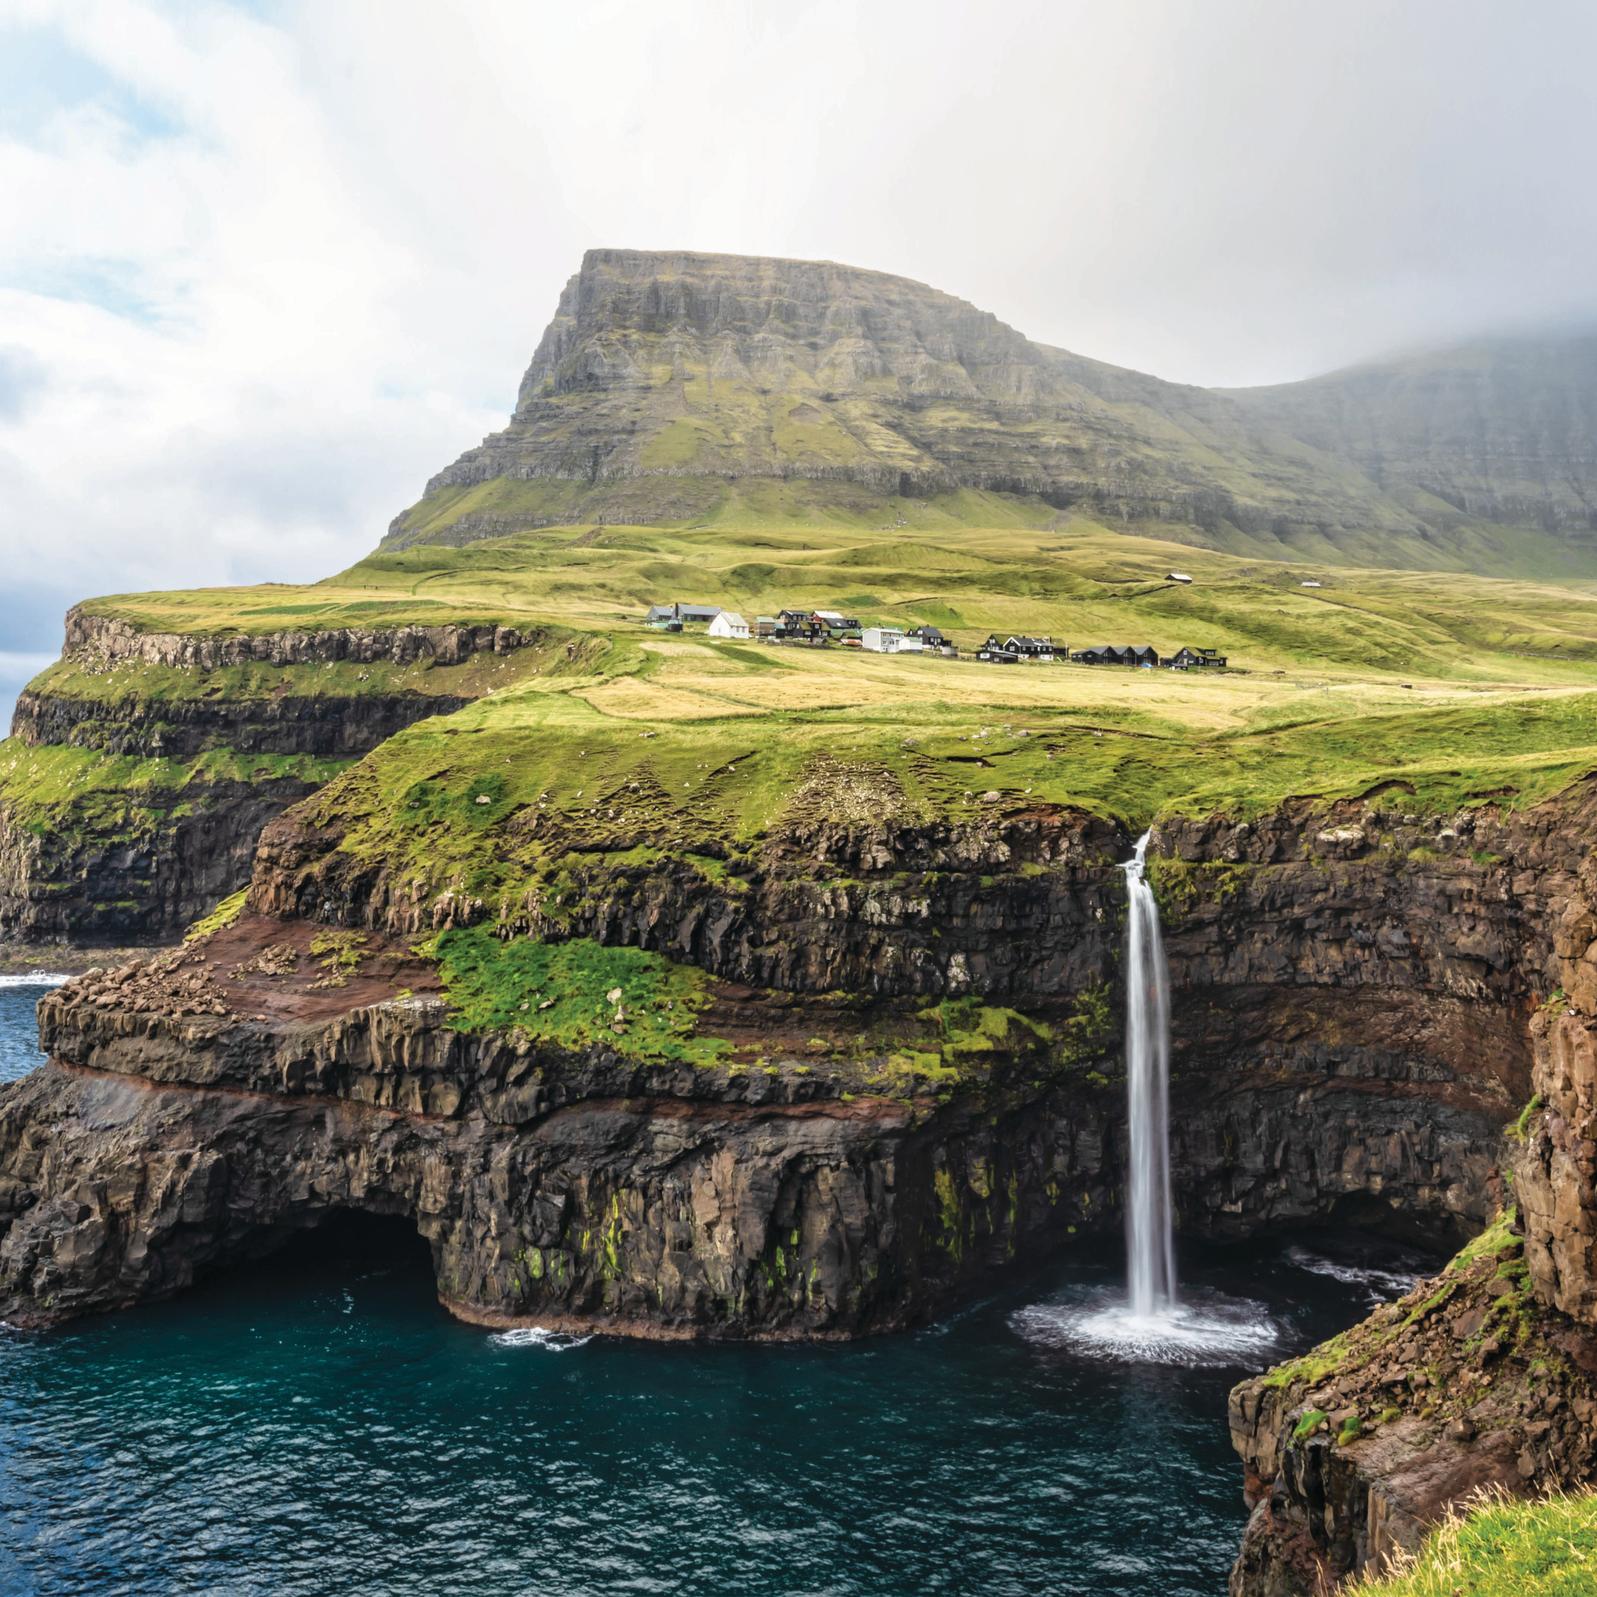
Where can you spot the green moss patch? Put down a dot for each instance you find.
(576, 995)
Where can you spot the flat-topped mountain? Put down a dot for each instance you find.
(681, 387)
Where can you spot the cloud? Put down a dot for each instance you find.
(266, 268)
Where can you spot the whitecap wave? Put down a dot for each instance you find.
(1211, 1330)
(35, 978)
(537, 1336)
(1384, 1283)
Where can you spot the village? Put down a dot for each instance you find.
(832, 629)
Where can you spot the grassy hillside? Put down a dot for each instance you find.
(1443, 691)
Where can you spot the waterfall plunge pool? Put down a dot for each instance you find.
(316, 1423)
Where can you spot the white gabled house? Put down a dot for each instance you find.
(882, 640)
(728, 624)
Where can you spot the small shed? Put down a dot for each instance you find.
(1177, 576)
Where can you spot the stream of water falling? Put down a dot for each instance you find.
(1150, 1240)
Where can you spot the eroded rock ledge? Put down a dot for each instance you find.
(1486, 1376)
(136, 863)
(106, 640)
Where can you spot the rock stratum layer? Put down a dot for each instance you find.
(134, 804)
(1487, 1376)
(665, 376)
(211, 1102)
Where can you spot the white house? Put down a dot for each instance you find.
(729, 624)
(882, 640)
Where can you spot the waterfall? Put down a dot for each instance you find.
(1150, 1243)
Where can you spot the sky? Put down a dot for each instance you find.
(265, 267)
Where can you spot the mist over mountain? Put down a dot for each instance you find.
(677, 387)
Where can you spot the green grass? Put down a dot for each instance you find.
(220, 918)
(53, 789)
(1496, 1547)
(568, 994)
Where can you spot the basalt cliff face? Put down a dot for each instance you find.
(669, 380)
(205, 1105)
(1486, 1376)
(139, 808)
(1498, 430)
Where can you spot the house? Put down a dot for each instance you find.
(1033, 650)
(729, 624)
(797, 626)
(835, 621)
(765, 626)
(1137, 654)
(995, 653)
(1195, 660)
(910, 644)
(932, 641)
(882, 640)
(662, 615)
(1177, 576)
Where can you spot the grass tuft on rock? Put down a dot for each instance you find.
(1496, 1547)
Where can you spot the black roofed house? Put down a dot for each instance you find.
(1030, 649)
(1101, 654)
(797, 626)
(996, 652)
(933, 641)
(1196, 659)
(1140, 654)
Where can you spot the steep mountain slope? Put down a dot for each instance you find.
(679, 388)
(1501, 430)
(664, 376)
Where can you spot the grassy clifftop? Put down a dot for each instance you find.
(1454, 689)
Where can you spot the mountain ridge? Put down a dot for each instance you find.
(679, 386)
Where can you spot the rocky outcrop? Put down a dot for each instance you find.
(1351, 1038)
(169, 855)
(1556, 1174)
(104, 640)
(1355, 1450)
(1486, 1376)
(135, 860)
(206, 1106)
(327, 726)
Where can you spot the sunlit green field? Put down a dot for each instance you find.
(1453, 687)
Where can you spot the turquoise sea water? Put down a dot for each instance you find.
(317, 1425)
